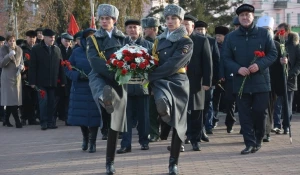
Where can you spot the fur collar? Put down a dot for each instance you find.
(102, 33)
(293, 38)
(175, 36)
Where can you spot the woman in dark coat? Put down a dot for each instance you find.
(83, 110)
(169, 82)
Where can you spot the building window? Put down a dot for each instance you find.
(288, 18)
(277, 18)
(298, 18)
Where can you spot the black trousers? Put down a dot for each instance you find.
(252, 112)
(194, 125)
(29, 97)
(230, 103)
(106, 121)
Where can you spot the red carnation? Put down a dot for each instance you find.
(156, 62)
(108, 61)
(126, 52)
(27, 56)
(146, 62)
(115, 63)
(142, 65)
(120, 64)
(127, 58)
(26, 67)
(42, 93)
(124, 72)
(58, 80)
(281, 33)
(113, 55)
(133, 66)
(62, 63)
(139, 55)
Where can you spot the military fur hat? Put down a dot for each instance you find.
(66, 36)
(31, 33)
(150, 22)
(236, 21)
(244, 8)
(132, 21)
(2, 38)
(221, 30)
(176, 10)
(108, 10)
(200, 24)
(48, 32)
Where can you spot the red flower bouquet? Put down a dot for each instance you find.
(257, 54)
(281, 36)
(27, 56)
(131, 64)
(42, 92)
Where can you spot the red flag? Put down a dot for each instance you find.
(93, 26)
(73, 27)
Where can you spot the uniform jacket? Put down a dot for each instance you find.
(45, 68)
(293, 51)
(238, 51)
(83, 110)
(11, 85)
(100, 76)
(137, 89)
(199, 71)
(174, 53)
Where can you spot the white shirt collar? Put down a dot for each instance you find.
(169, 33)
(109, 33)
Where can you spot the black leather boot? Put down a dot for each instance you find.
(85, 140)
(6, 121)
(15, 114)
(110, 151)
(174, 153)
(93, 131)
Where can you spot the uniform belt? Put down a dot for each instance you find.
(182, 70)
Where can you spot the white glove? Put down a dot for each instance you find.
(12, 53)
(21, 67)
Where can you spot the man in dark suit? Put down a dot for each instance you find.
(199, 72)
(138, 96)
(201, 28)
(44, 76)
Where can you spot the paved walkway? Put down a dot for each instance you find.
(30, 151)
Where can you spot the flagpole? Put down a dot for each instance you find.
(92, 4)
(285, 103)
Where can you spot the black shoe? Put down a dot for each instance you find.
(204, 138)
(23, 121)
(187, 141)
(267, 138)
(209, 131)
(44, 127)
(229, 129)
(181, 149)
(248, 149)
(123, 150)
(144, 147)
(110, 169)
(173, 169)
(84, 145)
(33, 122)
(104, 136)
(196, 147)
(92, 147)
(52, 127)
(8, 124)
(286, 131)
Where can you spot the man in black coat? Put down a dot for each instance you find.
(29, 95)
(201, 28)
(239, 58)
(44, 70)
(63, 93)
(199, 72)
(137, 95)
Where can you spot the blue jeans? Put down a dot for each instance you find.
(277, 112)
(210, 112)
(137, 106)
(46, 106)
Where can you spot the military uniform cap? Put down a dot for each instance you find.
(48, 32)
(244, 8)
(190, 17)
(200, 24)
(221, 30)
(150, 22)
(31, 33)
(173, 9)
(108, 10)
(236, 21)
(66, 36)
(132, 21)
(39, 29)
(2, 38)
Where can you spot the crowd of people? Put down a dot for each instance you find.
(48, 78)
